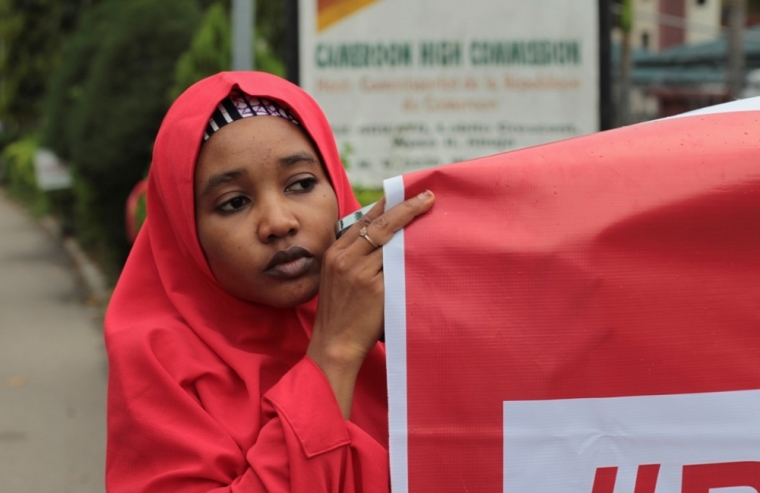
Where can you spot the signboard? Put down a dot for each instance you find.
(408, 85)
(50, 171)
(582, 316)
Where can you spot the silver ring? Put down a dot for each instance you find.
(363, 234)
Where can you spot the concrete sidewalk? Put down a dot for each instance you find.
(52, 366)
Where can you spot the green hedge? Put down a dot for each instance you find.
(367, 196)
(19, 175)
(108, 100)
(210, 51)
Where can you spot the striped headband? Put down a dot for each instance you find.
(240, 105)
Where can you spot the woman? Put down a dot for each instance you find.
(226, 373)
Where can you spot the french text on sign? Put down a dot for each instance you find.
(687, 443)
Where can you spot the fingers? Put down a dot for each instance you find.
(353, 232)
(382, 227)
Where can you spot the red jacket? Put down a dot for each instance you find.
(211, 393)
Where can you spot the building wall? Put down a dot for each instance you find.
(645, 33)
(753, 12)
(661, 24)
(703, 20)
(672, 32)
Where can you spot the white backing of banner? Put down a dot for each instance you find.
(748, 104)
(394, 272)
(557, 445)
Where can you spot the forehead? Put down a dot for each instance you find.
(261, 135)
(260, 143)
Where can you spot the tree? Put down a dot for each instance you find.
(626, 25)
(108, 102)
(210, 49)
(31, 35)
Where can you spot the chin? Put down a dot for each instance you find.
(288, 300)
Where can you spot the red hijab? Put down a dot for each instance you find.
(209, 391)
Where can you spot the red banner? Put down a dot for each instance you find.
(582, 316)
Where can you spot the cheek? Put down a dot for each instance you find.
(217, 245)
(331, 206)
(330, 221)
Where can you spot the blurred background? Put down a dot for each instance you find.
(84, 85)
(91, 80)
(672, 56)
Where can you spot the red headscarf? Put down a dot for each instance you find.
(210, 392)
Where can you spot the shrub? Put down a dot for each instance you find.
(108, 102)
(367, 196)
(210, 51)
(19, 175)
(31, 35)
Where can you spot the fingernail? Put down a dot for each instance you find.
(425, 195)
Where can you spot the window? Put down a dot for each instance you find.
(645, 40)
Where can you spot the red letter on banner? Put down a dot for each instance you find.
(604, 480)
(646, 479)
(700, 478)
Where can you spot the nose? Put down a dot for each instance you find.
(276, 218)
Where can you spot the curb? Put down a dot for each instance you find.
(94, 280)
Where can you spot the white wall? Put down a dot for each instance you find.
(645, 21)
(703, 21)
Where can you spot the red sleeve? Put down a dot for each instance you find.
(160, 438)
(308, 439)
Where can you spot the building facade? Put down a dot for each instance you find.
(659, 25)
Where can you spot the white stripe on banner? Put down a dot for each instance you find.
(565, 445)
(748, 104)
(395, 339)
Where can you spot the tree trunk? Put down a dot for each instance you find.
(735, 46)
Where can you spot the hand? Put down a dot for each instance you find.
(349, 319)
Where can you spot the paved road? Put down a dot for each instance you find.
(52, 367)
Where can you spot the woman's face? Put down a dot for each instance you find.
(265, 210)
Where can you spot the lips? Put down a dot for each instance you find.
(290, 263)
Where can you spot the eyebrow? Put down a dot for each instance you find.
(221, 178)
(297, 158)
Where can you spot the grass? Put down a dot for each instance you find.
(367, 196)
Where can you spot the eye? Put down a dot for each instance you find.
(302, 185)
(234, 204)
